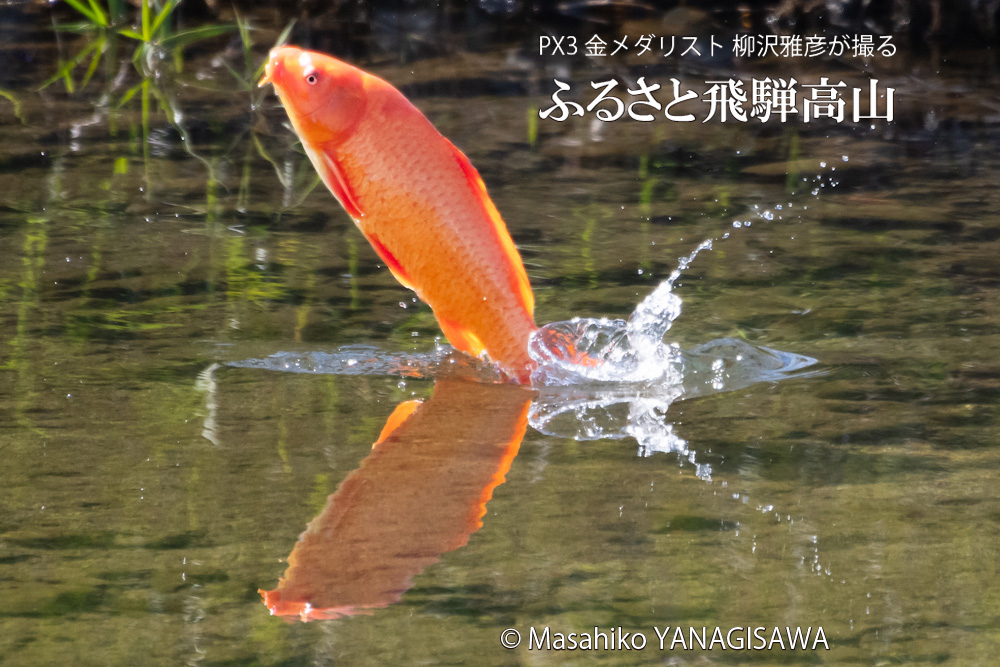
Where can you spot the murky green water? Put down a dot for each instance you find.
(150, 489)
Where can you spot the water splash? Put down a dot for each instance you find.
(586, 350)
(615, 410)
(612, 379)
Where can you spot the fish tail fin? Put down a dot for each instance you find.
(563, 347)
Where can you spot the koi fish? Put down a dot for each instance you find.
(416, 198)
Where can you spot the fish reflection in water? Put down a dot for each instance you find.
(420, 493)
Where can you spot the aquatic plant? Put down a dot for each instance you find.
(15, 102)
(156, 37)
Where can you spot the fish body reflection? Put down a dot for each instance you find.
(420, 493)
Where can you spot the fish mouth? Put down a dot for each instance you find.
(270, 68)
(266, 79)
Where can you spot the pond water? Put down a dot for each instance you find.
(166, 259)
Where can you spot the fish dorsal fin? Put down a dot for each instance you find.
(503, 236)
(461, 338)
(396, 419)
(331, 173)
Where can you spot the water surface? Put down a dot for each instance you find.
(154, 481)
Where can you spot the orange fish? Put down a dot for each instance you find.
(416, 198)
(420, 493)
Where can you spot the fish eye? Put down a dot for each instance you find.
(311, 79)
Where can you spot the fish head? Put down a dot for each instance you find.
(324, 97)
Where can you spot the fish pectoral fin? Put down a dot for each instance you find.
(333, 176)
(462, 338)
(396, 419)
(395, 267)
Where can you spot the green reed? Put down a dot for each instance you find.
(154, 33)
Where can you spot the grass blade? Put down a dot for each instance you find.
(196, 34)
(66, 68)
(146, 34)
(79, 7)
(282, 38)
(94, 60)
(167, 10)
(12, 98)
(102, 18)
(247, 41)
(239, 78)
(79, 26)
(129, 94)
